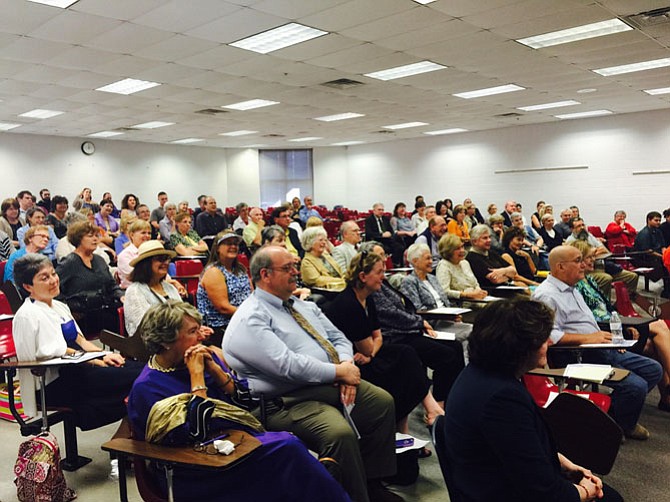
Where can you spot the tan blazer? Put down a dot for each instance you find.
(315, 274)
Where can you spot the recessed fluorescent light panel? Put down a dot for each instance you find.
(582, 115)
(629, 68)
(546, 106)
(425, 2)
(187, 141)
(257, 145)
(406, 70)
(660, 90)
(105, 134)
(128, 86)
(251, 104)
(574, 34)
(41, 114)
(7, 126)
(278, 38)
(489, 91)
(153, 125)
(347, 143)
(445, 131)
(306, 138)
(405, 125)
(63, 4)
(237, 133)
(339, 116)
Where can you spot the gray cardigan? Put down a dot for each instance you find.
(416, 290)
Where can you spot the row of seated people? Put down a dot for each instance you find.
(425, 256)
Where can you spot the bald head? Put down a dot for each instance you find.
(566, 264)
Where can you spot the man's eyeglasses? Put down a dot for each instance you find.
(576, 260)
(288, 268)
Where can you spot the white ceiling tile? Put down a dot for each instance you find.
(294, 9)
(118, 9)
(461, 8)
(125, 66)
(397, 24)
(82, 58)
(320, 46)
(128, 38)
(354, 13)
(215, 58)
(23, 17)
(176, 47)
(240, 24)
(33, 50)
(74, 27)
(181, 16)
(437, 33)
(359, 53)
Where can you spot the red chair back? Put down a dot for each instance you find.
(243, 260)
(540, 387)
(2, 269)
(122, 322)
(188, 267)
(623, 304)
(596, 232)
(7, 348)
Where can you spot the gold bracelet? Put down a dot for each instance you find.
(230, 377)
(198, 387)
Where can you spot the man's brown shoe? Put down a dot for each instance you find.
(639, 432)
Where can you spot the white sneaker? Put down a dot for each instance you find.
(114, 472)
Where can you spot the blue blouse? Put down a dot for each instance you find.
(239, 289)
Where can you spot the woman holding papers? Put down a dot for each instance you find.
(658, 345)
(496, 442)
(393, 367)
(424, 290)
(44, 329)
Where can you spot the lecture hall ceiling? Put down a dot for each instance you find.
(55, 59)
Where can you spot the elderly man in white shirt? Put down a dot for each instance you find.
(345, 252)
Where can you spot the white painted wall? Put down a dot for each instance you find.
(32, 162)
(463, 165)
(454, 166)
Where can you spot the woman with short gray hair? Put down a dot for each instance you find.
(318, 268)
(421, 287)
(189, 387)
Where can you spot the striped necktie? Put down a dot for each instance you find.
(304, 324)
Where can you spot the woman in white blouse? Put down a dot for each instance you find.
(45, 329)
(453, 271)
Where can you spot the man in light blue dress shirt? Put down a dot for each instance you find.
(574, 324)
(304, 388)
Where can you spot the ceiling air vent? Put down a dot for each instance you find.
(510, 115)
(342, 83)
(383, 131)
(126, 129)
(274, 136)
(211, 111)
(649, 18)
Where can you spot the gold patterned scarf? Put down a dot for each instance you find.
(171, 412)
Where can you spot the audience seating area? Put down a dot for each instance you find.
(590, 413)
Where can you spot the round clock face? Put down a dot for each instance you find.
(88, 147)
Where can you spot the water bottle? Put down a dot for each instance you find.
(616, 329)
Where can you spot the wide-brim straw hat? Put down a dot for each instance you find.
(149, 249)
